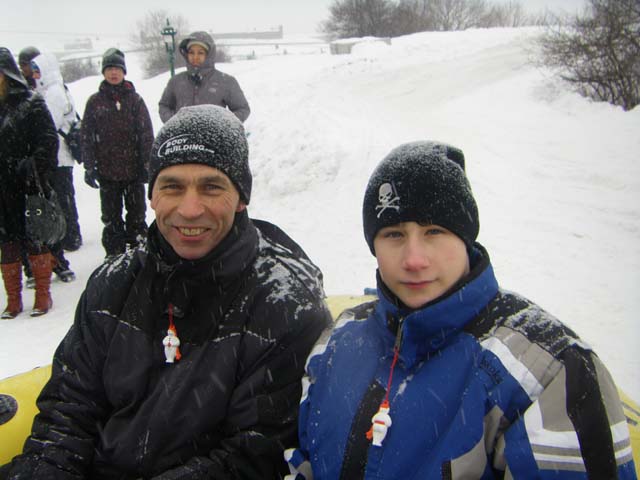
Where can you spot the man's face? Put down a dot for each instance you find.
(419, 263)
(113, 75)
(195, 206)
(196, 55)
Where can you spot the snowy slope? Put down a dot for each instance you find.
(555, 176)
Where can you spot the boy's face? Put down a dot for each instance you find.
(113, 75)
(419, 263)
(196, 55)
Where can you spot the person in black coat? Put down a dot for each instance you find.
(185, 357)
(28, 147)
(116, 140)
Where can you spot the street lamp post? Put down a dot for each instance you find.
(168, 34)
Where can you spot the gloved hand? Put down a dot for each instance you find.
(90, 179)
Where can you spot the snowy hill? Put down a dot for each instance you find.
(556, 176)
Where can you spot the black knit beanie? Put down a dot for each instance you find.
(421, 182)
(27, 54)
(113, 58)
(207, 135)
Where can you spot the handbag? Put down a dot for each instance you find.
(44, 219)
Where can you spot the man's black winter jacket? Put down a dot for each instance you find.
(247, 316)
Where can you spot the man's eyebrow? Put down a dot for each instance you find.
(214, 178)
(168, 179)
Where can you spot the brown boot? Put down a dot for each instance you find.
(42, 266)
(12, 276)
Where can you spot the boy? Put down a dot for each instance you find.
(116, 142)
(447, 375)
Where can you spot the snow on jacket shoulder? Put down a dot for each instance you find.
(247, 316)
(487, 385)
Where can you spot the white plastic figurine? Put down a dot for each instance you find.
(381, 422)
(171, 343)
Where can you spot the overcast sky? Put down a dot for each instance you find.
(119, 16)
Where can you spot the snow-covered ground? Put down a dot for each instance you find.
(556, 176)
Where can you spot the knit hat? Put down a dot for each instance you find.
(421, 182)
(27, 54)
(206, 135)
(196, 42)
(113, 58)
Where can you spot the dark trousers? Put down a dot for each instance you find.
(62, 183)
(117, 233)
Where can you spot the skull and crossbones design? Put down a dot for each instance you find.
(388, 198)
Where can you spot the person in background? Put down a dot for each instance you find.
(28, 147)
(24, 61)
(50, 85)
(244, 305)
(447, 375)
(202, 83)
(116, 141)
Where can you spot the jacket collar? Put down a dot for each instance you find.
(428, 329)
(226, 261)
(122, 88)
(218, 273)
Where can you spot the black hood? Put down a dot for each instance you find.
(9, 67)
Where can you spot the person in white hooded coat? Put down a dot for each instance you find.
(50, 85)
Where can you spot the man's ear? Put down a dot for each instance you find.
(241, 206)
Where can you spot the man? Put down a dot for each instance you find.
(116, 140)
(243, 299)
(202, 83)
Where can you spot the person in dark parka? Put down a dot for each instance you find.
(202, 83)
(116, 140)
(185, 357)
(29, 145)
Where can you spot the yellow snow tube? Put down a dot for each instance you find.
(18, 399)
(17, 408)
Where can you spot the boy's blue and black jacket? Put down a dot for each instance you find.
(487, 385)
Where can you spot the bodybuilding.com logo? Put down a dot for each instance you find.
(182, 144)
